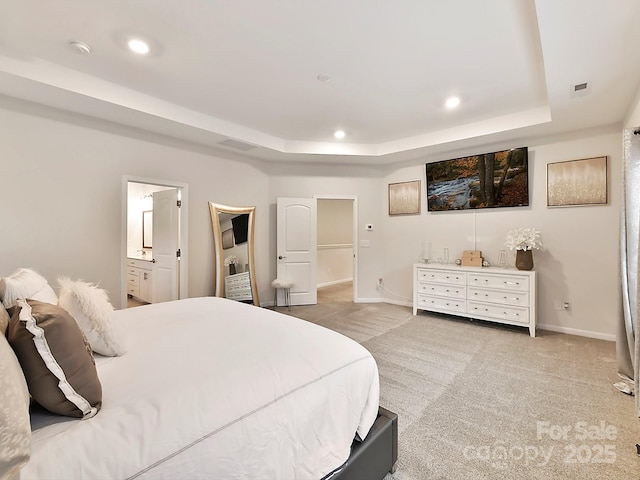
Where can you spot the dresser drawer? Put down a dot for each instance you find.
(503, 282)
(499, 312)
(453, 278)
(133, 290)
(133, 279)
(239, 279)
(443, 304)
(520, 299)
(452, 291)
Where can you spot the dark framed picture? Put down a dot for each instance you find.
(404, 198)
(577, 182)
(227, 239)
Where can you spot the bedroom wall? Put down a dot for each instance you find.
(62, 180)
(62, 187)
(580, 260)
(305, 181)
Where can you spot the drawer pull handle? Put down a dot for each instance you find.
(511, 283)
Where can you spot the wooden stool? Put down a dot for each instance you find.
(284, 285)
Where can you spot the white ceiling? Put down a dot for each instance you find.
(247, 70)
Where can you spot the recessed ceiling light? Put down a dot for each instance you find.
(138, 46)
(79, 47)
(323, 77)
(452, 102)
(339, 134)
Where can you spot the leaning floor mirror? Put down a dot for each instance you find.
(233, 240)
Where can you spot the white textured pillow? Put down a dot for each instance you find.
(26, 283)
(4, 321)
(90, 307)
(15, 429)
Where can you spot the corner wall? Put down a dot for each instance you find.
(579, 263)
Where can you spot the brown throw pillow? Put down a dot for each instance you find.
(56, 359)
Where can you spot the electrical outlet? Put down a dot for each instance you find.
(566, 305)
(379, 283)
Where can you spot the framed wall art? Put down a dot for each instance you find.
(404, 198)
(227, 239)
(577, 182)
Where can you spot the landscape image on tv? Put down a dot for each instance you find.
(496, 179)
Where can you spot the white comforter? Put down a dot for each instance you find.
(216, 389)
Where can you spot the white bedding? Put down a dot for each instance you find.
(216, 389)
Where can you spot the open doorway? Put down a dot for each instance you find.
(154, 240)
(337, 261)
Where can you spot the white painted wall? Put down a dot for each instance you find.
(62, 188)
(633, 117)
(363, 183)
(579, 263)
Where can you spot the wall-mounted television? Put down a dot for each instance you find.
(488, 180)
(240, 226)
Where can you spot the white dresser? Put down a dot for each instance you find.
(140, 279)
(502, 295)
(238, 287)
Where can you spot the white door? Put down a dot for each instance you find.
(297, 247)
(166, 213)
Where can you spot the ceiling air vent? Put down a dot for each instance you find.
(579, 89)
(237, 145)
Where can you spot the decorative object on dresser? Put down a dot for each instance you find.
(472, 258)
(500, 295)
(524, 241)
(231, 262)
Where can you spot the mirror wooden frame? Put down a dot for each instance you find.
(215, 209)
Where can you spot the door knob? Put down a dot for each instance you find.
(280, 257)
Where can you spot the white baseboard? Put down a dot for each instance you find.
(335, 282)
(369, 300)
(576, 331)
(402, 303)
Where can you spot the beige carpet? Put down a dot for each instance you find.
(481, 401)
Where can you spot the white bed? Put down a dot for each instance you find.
(213, 389)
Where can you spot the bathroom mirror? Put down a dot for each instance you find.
(147, 229)
(235, 276)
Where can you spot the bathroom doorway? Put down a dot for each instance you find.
(154, 241)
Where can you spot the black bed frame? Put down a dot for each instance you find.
(377, 455)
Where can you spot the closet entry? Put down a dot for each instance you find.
(316, 249)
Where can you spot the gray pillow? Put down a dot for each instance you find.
(56, 359)
(15, 429)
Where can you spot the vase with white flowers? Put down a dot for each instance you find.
(231, 262)
(524, 241)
